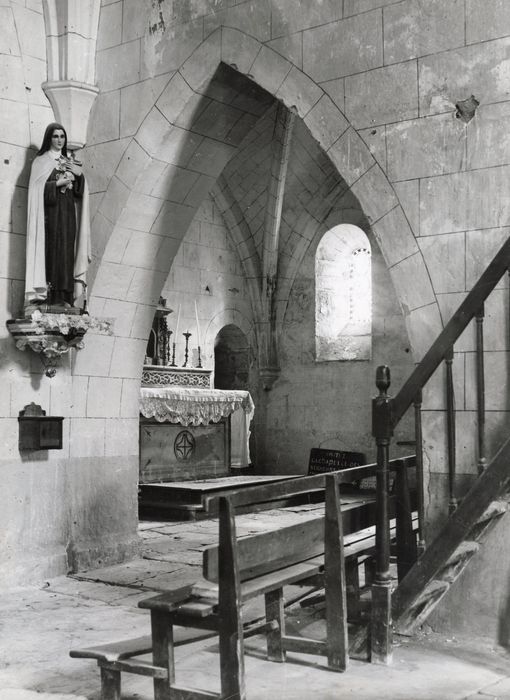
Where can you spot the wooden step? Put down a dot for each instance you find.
(421, 607)
(488, 519)
(455, 564)
(495, 510)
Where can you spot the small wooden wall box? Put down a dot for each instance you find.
(37, 431)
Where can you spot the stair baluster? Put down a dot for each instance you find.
(450, 429)
(406, 536)
(480, 389)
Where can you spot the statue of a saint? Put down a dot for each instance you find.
(58, 229)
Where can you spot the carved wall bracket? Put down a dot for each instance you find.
(269, 375)
(53, 335)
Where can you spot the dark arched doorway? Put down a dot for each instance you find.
(231, 359)
(231, 371)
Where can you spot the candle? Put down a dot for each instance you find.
(198, 327)
(177, 324)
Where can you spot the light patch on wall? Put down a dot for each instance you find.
(343, 295)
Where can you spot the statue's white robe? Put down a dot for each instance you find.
(36, 286)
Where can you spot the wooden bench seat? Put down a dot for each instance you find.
(313, 552)
(115, 651)
(238, 570)
(113, 658)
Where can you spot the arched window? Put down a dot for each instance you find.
(343, 295)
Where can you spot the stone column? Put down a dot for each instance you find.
(71, 35)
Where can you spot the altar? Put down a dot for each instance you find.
(192, 432)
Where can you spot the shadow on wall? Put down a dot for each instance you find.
(17, 252)
(16, 257)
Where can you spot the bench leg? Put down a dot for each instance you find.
(229, 609)
(369, 567)
(110, 684)
(352, 588)
(232, 663)
(163, 652)
(275, 611)
(334, 579)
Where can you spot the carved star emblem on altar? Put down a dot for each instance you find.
(184, 445)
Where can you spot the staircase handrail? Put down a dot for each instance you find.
(451, 332)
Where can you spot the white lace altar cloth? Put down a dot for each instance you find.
(198, 406)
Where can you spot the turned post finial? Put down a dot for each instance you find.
(383, 379)
(382, 405)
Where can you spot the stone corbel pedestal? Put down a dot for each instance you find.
(53, 334)
(268, 376)
(72, 102)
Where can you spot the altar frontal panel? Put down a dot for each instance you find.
(173, 452)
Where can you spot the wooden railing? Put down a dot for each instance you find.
(387, 413)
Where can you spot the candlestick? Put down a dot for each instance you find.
(178, 319)
(199, 359)
(187, 335)
(176, 336)
(196, 319)
(154, 345)
(168, 343)
(163, 331)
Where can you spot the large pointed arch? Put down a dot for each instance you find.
(142, 231)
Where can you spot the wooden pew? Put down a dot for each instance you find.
(211, 608)
(358, 506)
(307, 485)
(259, 565)
(235, 572)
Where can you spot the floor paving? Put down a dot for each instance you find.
(40, 624)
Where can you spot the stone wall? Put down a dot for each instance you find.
(76, 506)
(328, 404)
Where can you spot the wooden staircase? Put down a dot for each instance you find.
(457, 542)
(431, 574)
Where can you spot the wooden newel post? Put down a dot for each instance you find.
(382, 430)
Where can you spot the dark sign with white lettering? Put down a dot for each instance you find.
(323, 461)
